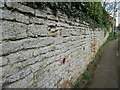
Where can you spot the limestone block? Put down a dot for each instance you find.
(49, 54)
(65, 33)
(43, 50)
(21, 18)
(1, 4)
(75, 32)
(19, 56)
(25, 72)
(21, 44)
(60, 24)
(36, 20)
(20, 7)
(52, 17)
(23, 83)
(13, 30)
(58, 40)
(51, 23)
(37, 30)
(6, 14)
(1, 49)
(35, 67)
(40, 13)
(3, 61)
(32, 60)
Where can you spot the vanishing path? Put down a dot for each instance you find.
(106, 73)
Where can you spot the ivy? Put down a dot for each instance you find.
(91, 12)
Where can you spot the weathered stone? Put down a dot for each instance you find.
(32, 60)
(21, 18)
(6, 14)
(1, 28)
(25, 44)
(20, 7)
(75, 32)
(40, 13)
(1, 49)
(20, 56)
(60, 24)
(13, 30)
(45, 51)
(52, 17)
(22, 44)
(51, 23)
(23, 83)
(18, 76)
(1, 4)
(37, 20)
(37, 30)
(1, 80)
(58, 40)
(48, 11)
(3, 61)
(65, 33)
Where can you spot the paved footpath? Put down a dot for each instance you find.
(108, 69)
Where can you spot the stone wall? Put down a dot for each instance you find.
(39, 49)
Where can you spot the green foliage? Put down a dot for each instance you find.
(86, 76)
(77, 85)
(91, 12)
(118, 27)
(112, 36)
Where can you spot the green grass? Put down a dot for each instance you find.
(85, 77)
(112, 36)
(77, 85)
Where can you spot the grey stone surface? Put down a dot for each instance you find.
(21, 18)
(1, 4)
(42, 50)
(37, 30)
(23, 83)
(36, 20)
(32, 60)
(3, 61)
(20, 7)
(13, 30)
(13, 46)
(6, 14)
(65, 33)
(40, 13)
(19, 75)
